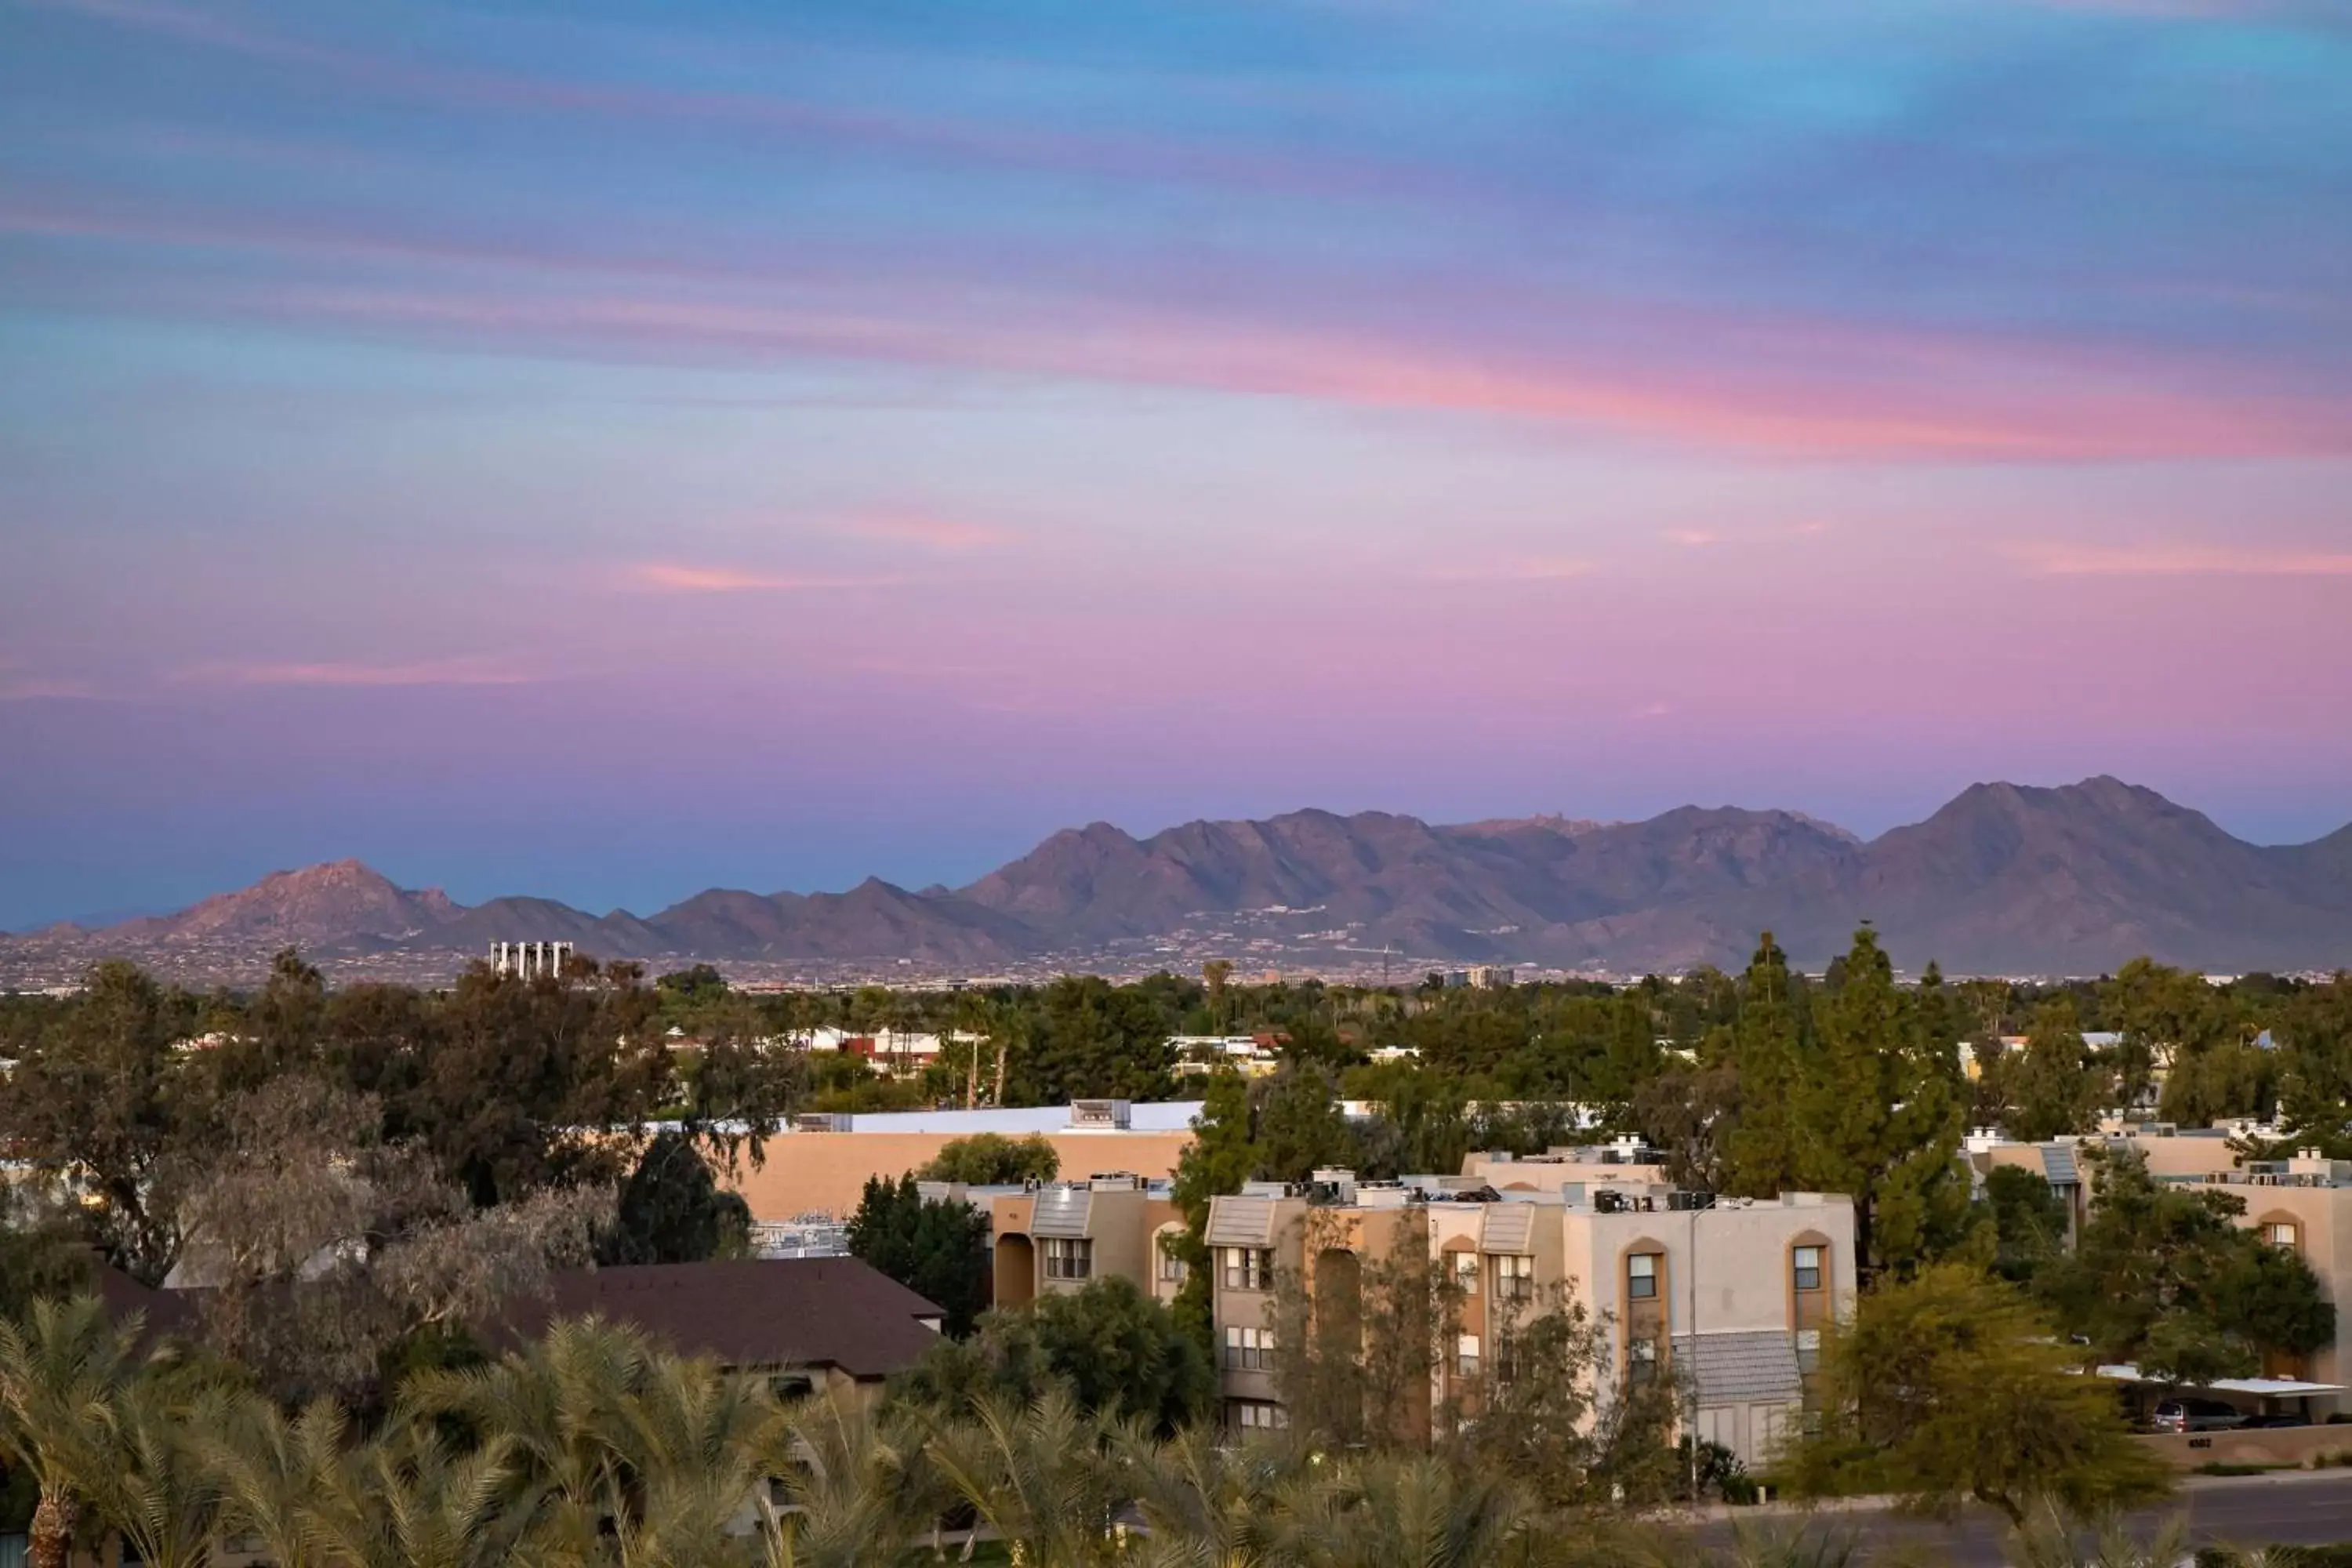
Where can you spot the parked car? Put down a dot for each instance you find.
(2288, 1419)
(2197, 1415)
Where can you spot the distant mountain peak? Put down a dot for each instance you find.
(2003, 879)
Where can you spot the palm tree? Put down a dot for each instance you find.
(2051, 1538)
(1203, 1502)
(1036, 1475)
(560, 1411)
(1414, 1512)
(159, 1490)
(411, 1502)
(689, 1443)
(854, 1486)
(61, 1373)
(271, 1469)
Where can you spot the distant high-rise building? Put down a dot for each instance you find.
(1494, 977)
(530, 959)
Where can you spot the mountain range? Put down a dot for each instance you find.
(2003, 879)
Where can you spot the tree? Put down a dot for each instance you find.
(159, 1488)
(2053, 1089)
(1690, 1115)
(1299, 1127)
(991, 1159)
(1092, 1040)
(2029, 1222)
(41, 1254)
(672, 1210)
(1533, 1416)
(1215, 975)
(1951, 1386)
(1358, 1337)
(1035, 1474)
(1113, 1350)
(1880, 1115)
(936, 1247)
(63, 1374)
(1761, 1148)
(322, 1246)
(855, 1481)
(1220, 1158)
(2163, 1277)
(100, 1094)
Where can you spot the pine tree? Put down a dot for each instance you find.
(1766, 1046)
(1221, 1157)
(1880, 1113)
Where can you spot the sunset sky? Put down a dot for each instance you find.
(604, 450)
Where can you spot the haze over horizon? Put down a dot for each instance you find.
(606, 452)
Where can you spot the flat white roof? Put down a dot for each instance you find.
(1165, 1116)
(2257, 1387)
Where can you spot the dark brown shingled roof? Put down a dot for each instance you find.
(765, 1312)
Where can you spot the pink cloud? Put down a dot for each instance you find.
(1693, 538)
(1800, 386)
(36, 688)
(1820, 389)
(427, 672)
(671, 577)
(2157, 560)
(954, 536)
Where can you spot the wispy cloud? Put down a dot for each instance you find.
(1693, 538)
(424, 672)
(948, 534)
(39, 688)
(672, 577)
(2157, 560)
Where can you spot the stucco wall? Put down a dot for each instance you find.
(825, 1172)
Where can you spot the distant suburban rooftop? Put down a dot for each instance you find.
(1167, 1116)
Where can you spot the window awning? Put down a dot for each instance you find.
(2250, 1388)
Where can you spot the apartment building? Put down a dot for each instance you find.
(1727, 1298)
(1061, 1236)
(2304, 1203)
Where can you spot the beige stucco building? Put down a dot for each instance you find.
(1726, 1296)
(1062, 1236)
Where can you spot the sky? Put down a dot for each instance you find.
(607, 449)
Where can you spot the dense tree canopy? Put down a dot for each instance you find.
(937, 1247)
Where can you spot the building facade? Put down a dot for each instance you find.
(1726, 1298)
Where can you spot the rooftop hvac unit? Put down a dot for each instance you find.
(1608, 1200)
(822, 1121)
(1102, 1113)
(1681, 1200)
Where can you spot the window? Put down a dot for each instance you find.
(1514, 1277)
(1249, 1267)
(1641, 1360)
(1171, 1267)
(2283, 1233)
(1069, 1258)
(1256, 1415)
(1465, 1356)
(1809, 1351)
(1642, 1276)
(1465, 1272)
(1248, 1349)
(1806, 1264)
